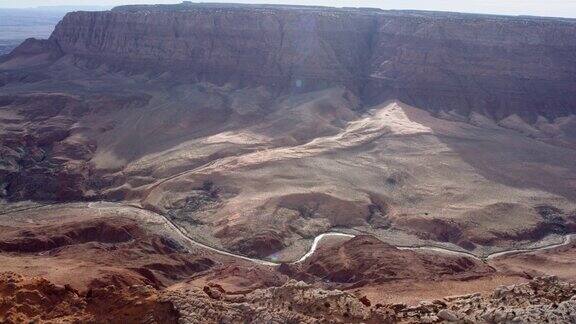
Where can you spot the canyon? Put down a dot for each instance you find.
(199, 161)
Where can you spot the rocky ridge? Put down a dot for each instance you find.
(366, 261)
(544, 299)
(540, 300)
(35, 299)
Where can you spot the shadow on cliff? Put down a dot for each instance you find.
(507, 157)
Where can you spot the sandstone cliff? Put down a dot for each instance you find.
(494, 65)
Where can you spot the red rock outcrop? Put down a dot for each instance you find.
(35, 299)
(104, 251)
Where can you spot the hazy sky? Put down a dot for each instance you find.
(558, 8)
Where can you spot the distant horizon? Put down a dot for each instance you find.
(552, 8)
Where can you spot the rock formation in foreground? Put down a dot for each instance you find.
(541, 300)
(36, 299)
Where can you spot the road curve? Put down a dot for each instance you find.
(439, 249)
(181, 232)
(177, 229)
(567, 240)
(319, 238)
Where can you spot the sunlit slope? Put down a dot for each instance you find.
(392, 167)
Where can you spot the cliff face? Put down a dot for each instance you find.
(260, 46)
(438, 61)
(494, 66)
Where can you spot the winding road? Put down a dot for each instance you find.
(184, 236)
(317, 240)
(175, 228)
(566, 240)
